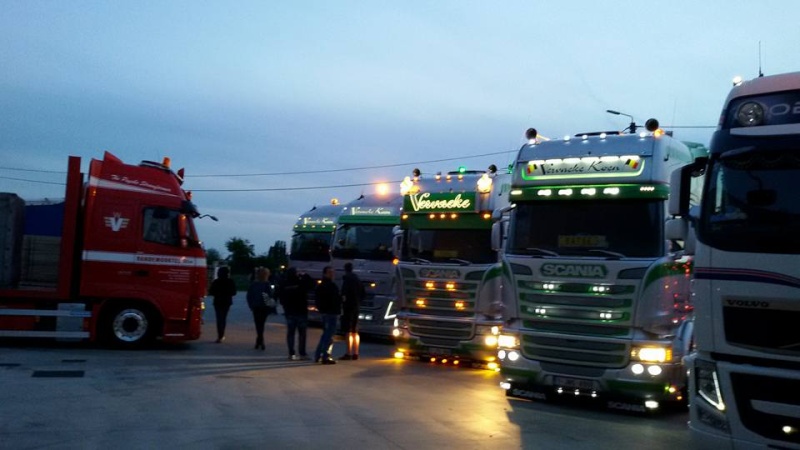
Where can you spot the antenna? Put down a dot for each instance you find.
(632, 126)
(760, 73)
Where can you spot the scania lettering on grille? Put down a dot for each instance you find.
(573, 270)
(439, 273)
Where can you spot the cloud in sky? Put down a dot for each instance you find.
(257, 87)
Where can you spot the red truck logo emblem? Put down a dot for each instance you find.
(117, 222)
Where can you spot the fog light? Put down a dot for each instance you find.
(637, 369)
(490, 341)
(495, 330)
(513, 356)
(505, 385)
(399, 355)
(501, 354)
(493, 366)
(654, 370)
(651, 404)
(396, 332)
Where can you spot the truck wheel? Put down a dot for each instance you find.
(131, 326)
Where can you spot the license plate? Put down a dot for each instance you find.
(439, 351)
(574, 383)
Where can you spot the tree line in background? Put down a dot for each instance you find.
(242, 258)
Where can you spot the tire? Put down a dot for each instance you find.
(131, 326)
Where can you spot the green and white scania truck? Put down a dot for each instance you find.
(596, 297)
(448, 273)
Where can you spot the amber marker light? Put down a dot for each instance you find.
(429, 285)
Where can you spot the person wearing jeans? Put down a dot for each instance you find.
(293, 295)
(329, 305)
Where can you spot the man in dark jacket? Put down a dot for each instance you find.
(222, 289)
(353, 294)
(329, 305)
(293, 294)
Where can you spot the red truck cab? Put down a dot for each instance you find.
(130, 266)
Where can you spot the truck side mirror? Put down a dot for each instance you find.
(680, 183)
(676, 229)
(397, 241)
(497, 236)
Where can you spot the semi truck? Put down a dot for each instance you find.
(310, 249)
(448, 272)
(117, 261)
(596, 297)
(745, 370)
(363, 237)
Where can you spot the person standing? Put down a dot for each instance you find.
(261, 300)
(293, 295)
(329, 305)
(222, 289)
(352, 295)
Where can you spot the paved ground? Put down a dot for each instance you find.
(207, 395)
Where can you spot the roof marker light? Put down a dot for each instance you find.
(406, 185)
(585, 137)
(602, 135)
(566, 138)
(484, 183)
(642, 135)
(737, 80)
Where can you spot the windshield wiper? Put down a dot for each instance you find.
(463, 262)
(420, 261)
(609, 253)
(542, 251)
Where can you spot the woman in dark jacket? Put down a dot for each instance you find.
(261, 300)
(223, 289)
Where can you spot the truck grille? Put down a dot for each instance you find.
(760, 401)
(576, 351)
(440, 329)
(769, 330)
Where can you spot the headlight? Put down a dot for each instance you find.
(507, 341)
(652, 354)
(707, 383)
(490, 341)
(750, 114)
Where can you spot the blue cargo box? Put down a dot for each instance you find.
(44, 220)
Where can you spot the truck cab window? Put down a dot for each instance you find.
(161, 226)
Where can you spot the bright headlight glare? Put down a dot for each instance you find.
(750, 114)
(707, 383)
(652, 354)
(490, 341)
(507, 341)
(513, 356)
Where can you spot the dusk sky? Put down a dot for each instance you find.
(297, 89)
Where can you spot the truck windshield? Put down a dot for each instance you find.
(751, 203)
(449, 246)
(617, 228)
(311, 247)
(372, 242)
